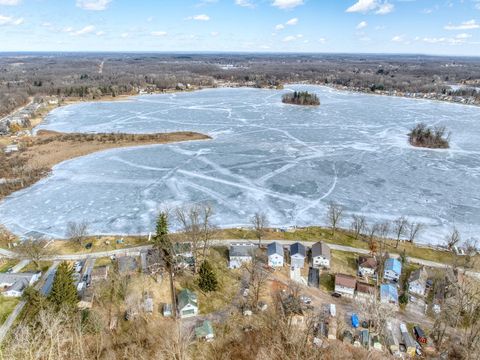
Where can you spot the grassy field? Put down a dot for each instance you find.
(344, 262)
(7, 305)
(228, 280)
(327, 281)
(43, 266)
(99, 243)
(6, 264)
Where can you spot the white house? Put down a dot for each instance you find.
(241, 253)
(275, 255)
(297, 255)
(14, 284)
(321, 255)
(393, 269)
(417, 282)
(345, 285)
(367, 266)
(187, 304)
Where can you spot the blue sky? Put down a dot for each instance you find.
(443, 27)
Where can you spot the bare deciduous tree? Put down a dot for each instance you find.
(260, 224)
(197, 227)
(334, 215)
(77, 231)
(33, 250)
(359, 224)
(414, 228)
(453, 238)
(258, 278)
(400, 227)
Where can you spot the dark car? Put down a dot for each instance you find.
(336, 295)
(88, 246)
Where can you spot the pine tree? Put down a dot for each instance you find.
(161, 239)
(64, 292)
(207, 280)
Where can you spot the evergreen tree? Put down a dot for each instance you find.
(161, 240)
(64, 292)
(207, 280)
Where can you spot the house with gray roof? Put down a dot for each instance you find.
(241, 253)
(417, 282)
(321, 255)
(187, 303)
(275, 254)
(297, 255)
(14, 284)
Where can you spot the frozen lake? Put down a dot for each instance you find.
(285, 160)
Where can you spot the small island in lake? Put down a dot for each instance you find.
(434, 138)
(301, 98)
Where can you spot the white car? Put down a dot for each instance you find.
(333, 310)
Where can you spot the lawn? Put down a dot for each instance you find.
(228, 280)
(101, 243)
(43, 266)
(327, 281)
(6, 264)
(7, 304)
(105, 261)
(344, 262)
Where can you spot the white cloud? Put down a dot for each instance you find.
(200, 17)
(293, 21)
(362, 25)
(398, 38)
(95, 5)
(8, 20)
(292, 38)
(322, 40)
(214, 33)
(245, 3)
(100, 33)
(458, 40)
(466, 25)
(463, 36)
(287, 4)
(385, 8)
(86, 30)
(124, 35)
(279, 27)
(10, 2)
(159, 33)
(365, 6)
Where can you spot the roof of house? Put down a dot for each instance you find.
(393, 265)
(321, 249)
(419, 274)
(12, 278)
(297, 248)
(389, 292)
(345, 281)
(365, 288)
(242, 249)
(204, 330)
(19, 285)
(186, 297)
(275, 248)
(367, 262)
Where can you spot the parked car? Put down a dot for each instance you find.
(336, 295)
(305, 299)
(333, 310)
(88, 246)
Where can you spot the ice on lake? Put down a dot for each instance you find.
(285, 160)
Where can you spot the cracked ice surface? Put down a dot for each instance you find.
(286, 160)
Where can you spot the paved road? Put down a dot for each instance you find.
(20, 265)
(135, 251)
(5, 328)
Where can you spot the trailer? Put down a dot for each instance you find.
(410, 344)
(420, 335)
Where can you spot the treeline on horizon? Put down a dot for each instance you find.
(80, 75)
